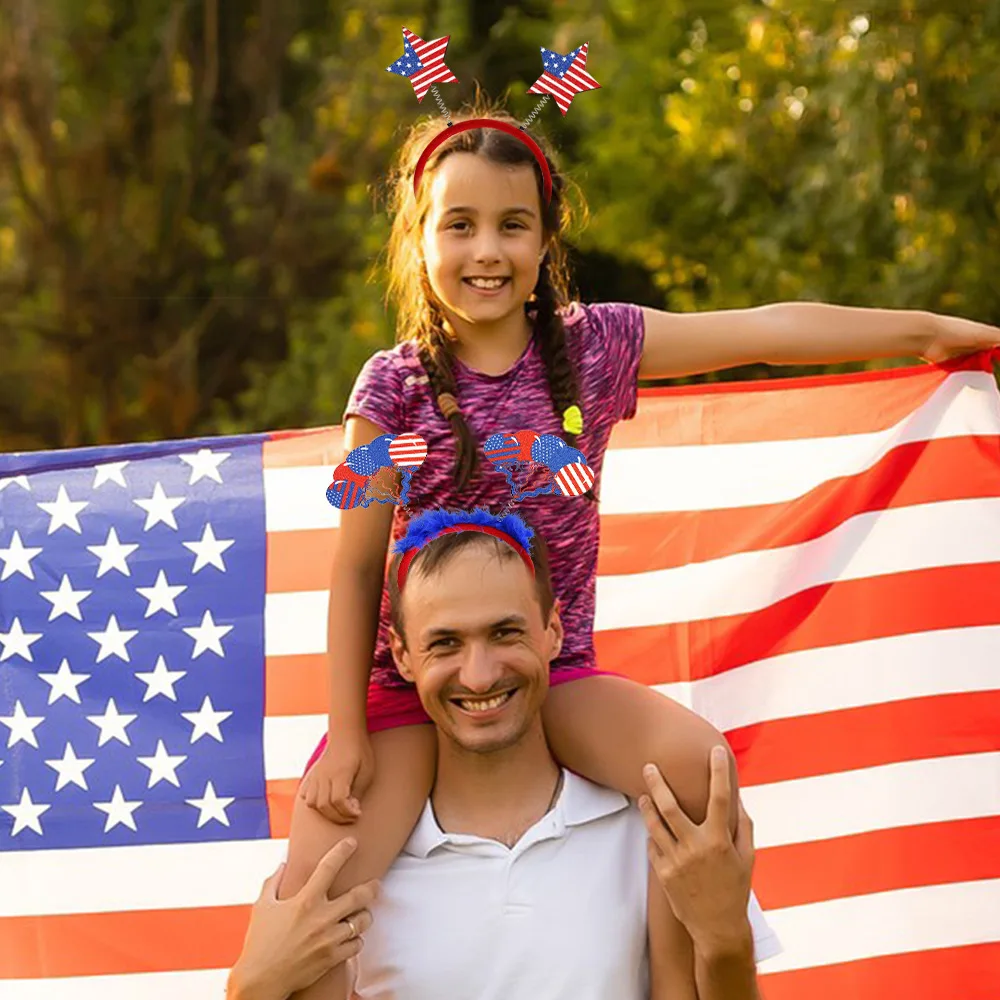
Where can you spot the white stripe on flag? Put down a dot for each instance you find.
(905, 793)
(207, 984)
(877, 543)
(148, 877)
(832, 678)
(714, 477)
(885, 923)
(295, 499)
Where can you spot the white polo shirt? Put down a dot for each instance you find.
(562, 914)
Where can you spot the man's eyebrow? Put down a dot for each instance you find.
(439, 633)
(513, 210)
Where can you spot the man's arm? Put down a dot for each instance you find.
(699, 894)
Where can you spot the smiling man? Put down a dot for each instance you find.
(522, 878)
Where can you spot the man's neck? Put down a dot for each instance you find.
(497, 796)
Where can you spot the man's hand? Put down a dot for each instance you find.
(293, 942)
(705, 875)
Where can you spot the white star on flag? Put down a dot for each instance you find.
(211, 806)
(17, 559)
(113, 640)
(209, 550)
(160, 681)
(22, 726)
(64, 683)
(66, 600)
(207, 635)
(112, 724)
(113, 554)
(17, 642)
(26, 814)
(118, 810)
(161, 595)
(19, 480)
(63, 512)
(70, 769)
(159, 508)
(162, 767)
(206, 721)
(110, 472)
(205, 464)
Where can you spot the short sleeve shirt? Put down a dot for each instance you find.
(604, 341)
(560, 915)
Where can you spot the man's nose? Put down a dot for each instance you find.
(480, 668)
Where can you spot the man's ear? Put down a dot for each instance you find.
(400, 654)
(556, 628)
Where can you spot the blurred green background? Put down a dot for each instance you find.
(191, 217)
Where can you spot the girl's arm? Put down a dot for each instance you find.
(339, 778)
(801, 333)
(355, 593)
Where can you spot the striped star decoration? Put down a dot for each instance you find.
(812, 564)
(564, 76)
(423, 63)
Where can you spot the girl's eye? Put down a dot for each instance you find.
(510, 223)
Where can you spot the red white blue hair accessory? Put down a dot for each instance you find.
(565, 469)
(423, 64)
(433, 524)
(351, 485)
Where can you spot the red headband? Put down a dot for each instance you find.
(485, 123)
(404, 564)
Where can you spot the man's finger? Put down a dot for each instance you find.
(678, 821)
(329, 867)
(744, 833)
(719, 790)
(660, 836)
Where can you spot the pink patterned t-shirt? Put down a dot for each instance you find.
(605, 342)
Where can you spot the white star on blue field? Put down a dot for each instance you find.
(557, 64)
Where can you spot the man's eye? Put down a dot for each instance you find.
(439, 642)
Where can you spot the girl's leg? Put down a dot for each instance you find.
(404, 772)
(606, 728)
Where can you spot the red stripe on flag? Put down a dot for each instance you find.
(867, 736)
(877, 861)
(969, 973)
(849, 611)
(98, 944)
(296, 685)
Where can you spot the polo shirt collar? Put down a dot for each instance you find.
(580, 801)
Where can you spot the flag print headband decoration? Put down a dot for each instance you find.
(564, 470)
(423, 64)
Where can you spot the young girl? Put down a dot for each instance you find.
(471, 361)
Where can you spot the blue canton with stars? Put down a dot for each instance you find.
(132, 585)
(557, 64)
(408, 63)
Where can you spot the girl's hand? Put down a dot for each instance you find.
(952, 336)
(335, 784)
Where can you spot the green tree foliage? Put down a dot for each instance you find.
(190, 202)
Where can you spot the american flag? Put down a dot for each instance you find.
(812, 564)
(564, 76)
(423, 63)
